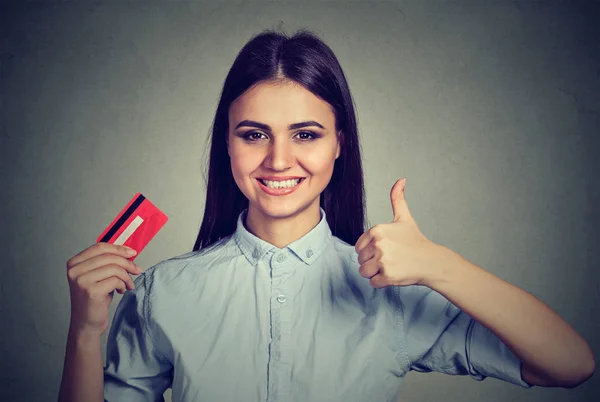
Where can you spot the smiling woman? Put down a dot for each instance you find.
(285, 296)
(282, 168)
(287, 109)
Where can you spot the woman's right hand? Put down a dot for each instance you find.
(93, 276)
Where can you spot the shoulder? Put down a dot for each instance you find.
(180, 269)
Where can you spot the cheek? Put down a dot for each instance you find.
(243, 163)
(319, 161)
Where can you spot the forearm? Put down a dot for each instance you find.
(83, 374)
(546, 345)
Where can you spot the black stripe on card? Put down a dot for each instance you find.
(123, 218)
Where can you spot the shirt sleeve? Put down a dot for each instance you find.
(135, 369)
(442, 338)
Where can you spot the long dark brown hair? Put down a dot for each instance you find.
(308, 61)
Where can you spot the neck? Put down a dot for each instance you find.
(282, 231)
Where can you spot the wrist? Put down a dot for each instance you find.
(447, 267)
(82, 337)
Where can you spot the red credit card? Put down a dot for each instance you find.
(135, 225)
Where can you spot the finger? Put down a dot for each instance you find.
(366, 253)
(368, 269)
(98, 249)
(378, 281)
(121, 287)
(99, 274)
(102, 260)
(399, 204)
(101, 289)
(363, 241)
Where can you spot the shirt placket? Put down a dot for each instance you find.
(280, 354)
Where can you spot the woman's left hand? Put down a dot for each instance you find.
(397, 253)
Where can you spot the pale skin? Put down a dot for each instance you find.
(277, 150)
(552, 353)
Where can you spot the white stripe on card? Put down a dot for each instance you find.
(129, 231)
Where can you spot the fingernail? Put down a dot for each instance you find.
(130, 251)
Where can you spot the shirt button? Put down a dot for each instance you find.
(280, 258)
(255, 254)
(309, 253)
(281, 299)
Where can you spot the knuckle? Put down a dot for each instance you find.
(79, 281)
(124, 276)
(119, 261)
(108, 260)
(71, 275)
(376, 231)
(115, 271)
(103, 247)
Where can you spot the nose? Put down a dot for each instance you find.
(281, 155)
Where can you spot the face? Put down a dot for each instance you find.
(282, 144)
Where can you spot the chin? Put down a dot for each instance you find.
(281, 210)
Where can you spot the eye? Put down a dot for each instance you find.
(306, 136)
(253, 136)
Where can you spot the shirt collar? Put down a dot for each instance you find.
(307, 248)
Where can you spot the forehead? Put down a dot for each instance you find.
(281, 103)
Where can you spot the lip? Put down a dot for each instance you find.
(279, 191)
(279, 178)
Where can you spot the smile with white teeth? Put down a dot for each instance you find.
(280, 184)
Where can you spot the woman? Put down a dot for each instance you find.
(275, 303)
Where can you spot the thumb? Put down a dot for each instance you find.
(399, 205)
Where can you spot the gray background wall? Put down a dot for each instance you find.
(490, 109)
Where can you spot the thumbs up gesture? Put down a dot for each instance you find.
(397, 253)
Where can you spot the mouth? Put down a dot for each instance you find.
(281, 187)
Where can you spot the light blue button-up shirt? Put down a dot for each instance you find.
(247, 321)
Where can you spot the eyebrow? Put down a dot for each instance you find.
(251, 123)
